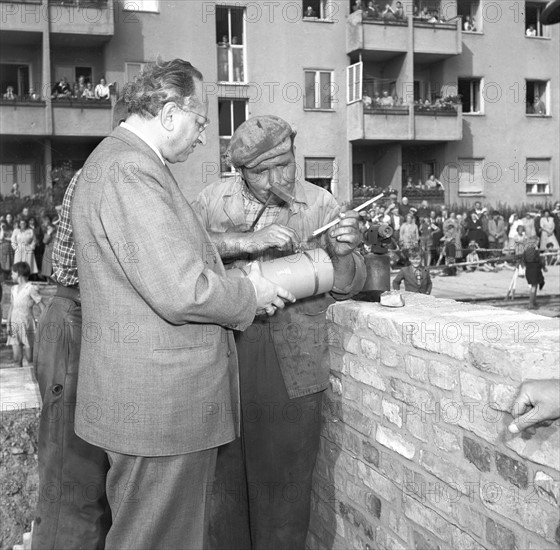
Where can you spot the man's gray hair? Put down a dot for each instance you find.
(158, 84)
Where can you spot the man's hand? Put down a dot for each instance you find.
(276, 236)
(538, 401)
(345, 236)
(270, 297)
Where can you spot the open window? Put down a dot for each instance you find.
(230, 38)
(231, 113)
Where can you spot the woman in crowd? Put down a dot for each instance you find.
(21, 322)
(23, 243)
(6, 250)
(409, 236)
(48, 242)
(475, 231)
(39, 246)
(547, 231)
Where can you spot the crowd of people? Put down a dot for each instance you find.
(373, 10)
(387, 101)
(24, 239)
(468, 236)
(82, 89)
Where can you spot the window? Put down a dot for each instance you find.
(16, 76)
(22, 174)
(231, 113)
(470, 176)
(354, 81)
(358, 174)
(537, 176)
(536, 98)
(230, 37)
(315, 9)
(469, 90)
(132, 70)
(318, 90)
(142, 5)
(533, 25)
(470, 14)
(320, 171)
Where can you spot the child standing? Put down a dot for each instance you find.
(416, 278)
(534, 267)
(21, 324)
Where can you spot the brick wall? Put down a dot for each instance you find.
(414, 451)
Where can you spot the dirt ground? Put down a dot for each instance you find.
(18, 474)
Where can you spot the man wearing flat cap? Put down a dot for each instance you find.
(261, 495)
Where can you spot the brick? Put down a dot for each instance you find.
(370, 453)
(351, 344)
(366, 373)
(411, 395)
(395, 442)
(386, 541)
(397, 523)
(463, 541)
(427, 518)
(352, 442)
(418, 427)
(416, 368)
(424, 543)
(356, 419)
(352, 390)
(448, 471)
(477, 454)
(384, 328)
(373, 505)
(336, 384)
(369, 349)
(541, 519)
(473, 387)
(372, 402)
(381, 485)
(499, 536)
(487, 358)
(502, 396)
(391, 468)
(541, 448)
(547, 487)
(442, 375)
(415, 483)
(392, 412)
(347, 315)
(512, 470)
(446, 441)
(389, 356)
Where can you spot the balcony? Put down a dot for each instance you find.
(433, 41)
(21, 117)
(385, 39)
(375, 35)
(91, 18)
(403, 124)
(81, 118)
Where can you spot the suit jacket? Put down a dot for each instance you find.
(410, 283)
(158, 370)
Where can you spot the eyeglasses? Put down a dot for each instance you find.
(201, 127)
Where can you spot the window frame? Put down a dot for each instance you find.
(480, 81)
(462, 161)
(140, 6)
(476, 14)
(545, 95)
(333, 178)
(230, 169)
(231, 47)
(543, 31)
(354, 82)
(322, 16)
(317, 90)
(535, 184)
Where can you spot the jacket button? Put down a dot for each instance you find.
(57, 389)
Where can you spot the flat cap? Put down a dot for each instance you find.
(258, 139)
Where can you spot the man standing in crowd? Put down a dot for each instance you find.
(496, 231)
(158, 384)
(80, 517)
(283, 365)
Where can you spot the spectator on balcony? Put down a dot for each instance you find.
(81, 84)
(424, 13)
(61, 89)
(469, 25)
(309, 12)
(386, 100)
(409, 183)
(390, 14)
(371, 11)
(357, 6)
(434, 17)
(89, 92)
(23, 243)
(103, 90)
(531, 31)
(367, 100)
(9, 95)
(537, 108)
(76, 93)
(433, 183)
(496, 231)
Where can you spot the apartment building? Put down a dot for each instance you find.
(315, 63)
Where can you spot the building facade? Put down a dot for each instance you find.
(476, 106)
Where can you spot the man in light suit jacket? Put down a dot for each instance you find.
(158, 384)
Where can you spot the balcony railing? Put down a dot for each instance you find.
(404, 123)
(23, 117)
(81, 117)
